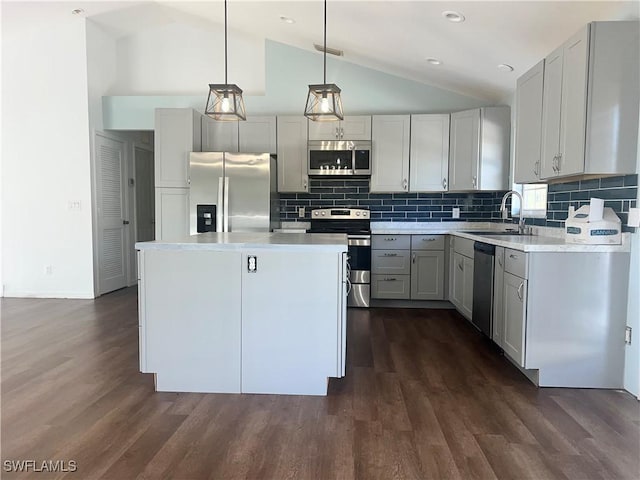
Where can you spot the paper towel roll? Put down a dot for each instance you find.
(596, 209)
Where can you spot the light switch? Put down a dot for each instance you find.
(455, 212)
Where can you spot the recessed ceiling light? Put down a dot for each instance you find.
(434, 61)
(288, 20)
(505, 68)
(77, 11)
(452, 16)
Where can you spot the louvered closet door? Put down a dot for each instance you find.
(112, 255)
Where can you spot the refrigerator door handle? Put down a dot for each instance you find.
(219, 210)
(226, 204)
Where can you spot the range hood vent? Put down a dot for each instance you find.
(330, 51)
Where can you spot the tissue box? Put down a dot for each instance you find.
(579, 229)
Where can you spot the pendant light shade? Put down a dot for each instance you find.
(323, 101)
(225, 100)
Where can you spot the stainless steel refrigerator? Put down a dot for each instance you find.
(233, 192)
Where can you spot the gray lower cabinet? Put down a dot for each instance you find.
(514, 316)
(461, 276)
(390, 287)
(408, 267)
(427, 275)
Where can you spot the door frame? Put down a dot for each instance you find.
(132, 277)
(94, 203)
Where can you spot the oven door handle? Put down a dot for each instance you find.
(359, 240)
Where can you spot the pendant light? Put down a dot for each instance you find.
(225, 100)
(324, 102)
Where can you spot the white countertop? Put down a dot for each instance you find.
(543, 240)
(240, 241)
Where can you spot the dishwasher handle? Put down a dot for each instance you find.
(485, 248)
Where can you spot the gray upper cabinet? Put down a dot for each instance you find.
(177, 132)
(292, 154)
(219, 136)
(429, 154)
(590, 102)
(529, 125)
(479, 149)
(390, 153)
(257, 135)
(355, 127)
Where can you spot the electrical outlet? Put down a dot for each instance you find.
(634, 217)
(300, 212)
(48, 270)
(627, 336)
(75, 205)
(455, 212)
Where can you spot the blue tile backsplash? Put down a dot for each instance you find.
(394, 207)
(619, 193)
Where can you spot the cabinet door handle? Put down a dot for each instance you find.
(460, 267)
(559, 160)
(499, 261)
(474, 181)
(513, 256)
(390, 254)
(536, 167)
(553, 164)
(341, 132)
(304, 184)
(413, 258)
(390, 239)
(390, 279)
(519, 292)
(125, 222)
(444, 183)
(429, 239)
(404, 184)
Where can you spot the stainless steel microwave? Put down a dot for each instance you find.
(339, 157)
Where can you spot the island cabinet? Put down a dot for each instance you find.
(242, 320)
(461, 276)
(353, 127)
(529, 125)
(407, 267)
(292, 154)
(479, 149)
(590, 102)
(558, 333)
(390, 153)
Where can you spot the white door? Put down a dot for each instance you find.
(111, 213)
(145, 195)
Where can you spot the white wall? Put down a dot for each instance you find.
(45, 153)
(179, 59)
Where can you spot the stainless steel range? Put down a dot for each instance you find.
(356, 224)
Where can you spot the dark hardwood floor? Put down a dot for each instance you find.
(425, 396)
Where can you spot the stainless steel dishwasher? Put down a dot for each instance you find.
(483, 266)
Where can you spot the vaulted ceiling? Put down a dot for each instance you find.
(393, 36)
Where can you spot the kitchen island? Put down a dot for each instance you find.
(243, 312)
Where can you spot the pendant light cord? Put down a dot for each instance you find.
(325, 42)
(225, 42)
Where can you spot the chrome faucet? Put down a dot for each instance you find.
(522, 229)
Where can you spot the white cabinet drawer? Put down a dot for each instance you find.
(515, 262)
(387, 242)
(391, 262)
(427, 242)
(463, 246)
(390, 286)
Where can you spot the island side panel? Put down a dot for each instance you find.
(192, 306)
(576, 318)
(290, 325)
